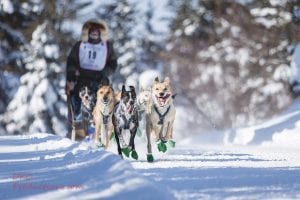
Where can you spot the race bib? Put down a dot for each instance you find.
(92, 56)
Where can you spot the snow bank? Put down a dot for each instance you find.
(42, 166)
(280, 132)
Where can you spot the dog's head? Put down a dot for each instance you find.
(144, 98)
(128, 99)
(87, 97)
(161, 92)
(105, 94)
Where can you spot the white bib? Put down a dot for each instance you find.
(92, 56)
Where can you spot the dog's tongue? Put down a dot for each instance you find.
(162, 100)
(128, 108)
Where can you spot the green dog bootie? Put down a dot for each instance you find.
(126, 151)
(134, 155)
(162, 146)
(171, 143)
(150, 157)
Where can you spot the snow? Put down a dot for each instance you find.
(146, 78)
(7, 6)
(295, 65)
(256, 162)
(43, 166)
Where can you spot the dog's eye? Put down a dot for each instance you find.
(156, 88)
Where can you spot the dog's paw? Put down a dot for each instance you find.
(150, 157)
(171, 143)
(162, 146)
(126, 151)
(134, 154)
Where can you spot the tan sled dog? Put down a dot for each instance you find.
(161, 117)
(102, 115)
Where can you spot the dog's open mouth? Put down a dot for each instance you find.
(105, 101)
(162, 100)
(128, 107)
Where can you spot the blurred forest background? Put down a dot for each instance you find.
(228, 60)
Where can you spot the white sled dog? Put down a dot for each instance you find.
(160, 117)
(102, 115)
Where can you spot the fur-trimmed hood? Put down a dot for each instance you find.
(85, 29)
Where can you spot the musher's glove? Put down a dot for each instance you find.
(69, 87)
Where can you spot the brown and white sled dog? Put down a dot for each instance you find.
(160, 119)
(102, 115)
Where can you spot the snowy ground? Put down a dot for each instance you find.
(258, 162)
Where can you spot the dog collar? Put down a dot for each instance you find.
(161, 116)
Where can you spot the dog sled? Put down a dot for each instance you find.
(80, 128)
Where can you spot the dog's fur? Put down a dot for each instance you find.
(102, 114)
(161, 118)
(144, 102)
(88, 100)
(125, 117)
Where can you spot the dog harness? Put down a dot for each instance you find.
(161, 116)
(105, 118)
(92, 56)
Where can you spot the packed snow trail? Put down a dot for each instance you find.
(236, 173)
(42, 166)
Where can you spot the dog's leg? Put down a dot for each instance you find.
(148, 133)
(169, 136)
(110, 131)
(117, 133)
(161, 141)
(161, 132)
(97, 133)
(106, 135)
(134, 154)
(170, 131)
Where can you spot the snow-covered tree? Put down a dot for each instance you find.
(39, 103)
(230, 60)
(122, 21)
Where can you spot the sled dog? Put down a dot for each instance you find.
(144, 102)
(87, 99)
(102, 115)
(125, 117)
(161, 117)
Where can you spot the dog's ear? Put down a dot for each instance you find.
(99, 85)
(123, 91)
(110, 85)
(123, 88)
(156, 80)
(167, 80)
(132, 88)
